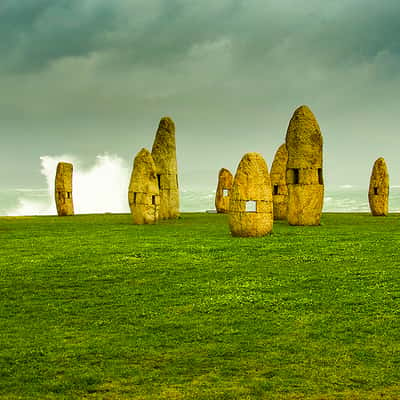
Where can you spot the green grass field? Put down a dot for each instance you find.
(94, 307)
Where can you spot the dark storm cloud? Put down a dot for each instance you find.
(37, 32)
(329, 34)
(359, 31)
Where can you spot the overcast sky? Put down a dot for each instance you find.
(85, 77)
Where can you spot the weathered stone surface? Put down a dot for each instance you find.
(378, 194)
(143, 194)
(164, 155)
(224, 187)
(63, 189)
(250, 204)
(304, 169)
(278, 183)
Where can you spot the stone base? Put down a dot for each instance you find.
(305, 204)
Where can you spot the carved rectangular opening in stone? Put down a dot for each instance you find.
(225, 192)
(159, 180)
(375, 190)
(153, 199)
(251, 206)
(293, 176)
(68, 195)
(320, 177)
(134, 197)
(276, 189)
(296, 176)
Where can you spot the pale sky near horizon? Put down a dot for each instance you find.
(87, 77)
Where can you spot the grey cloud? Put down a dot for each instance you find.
(36, 32)
(160, 32)
(360, 31)
(331, 34)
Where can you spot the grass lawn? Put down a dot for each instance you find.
(94, 307)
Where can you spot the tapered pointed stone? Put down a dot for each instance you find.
(278, 183)
(378, 194)
(63, 189)
(225, 180)
(143, 194)
(164, 155)
(304, 176)
(250, 204)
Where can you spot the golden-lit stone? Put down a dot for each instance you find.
(378, 194)
(304, 176)
(143, 194)
(164, 155)
(224, 187)
(63, 189)
(278, 183)
(250, 204)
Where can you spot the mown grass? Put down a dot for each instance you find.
(94, 307)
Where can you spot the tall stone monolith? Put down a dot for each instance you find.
(304, 169)
(143, 194)
(222, 194)
(278, 183)
(63, 189)
(164, 155)
(378, 194)
(250, 203)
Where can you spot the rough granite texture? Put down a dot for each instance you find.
(378, 194)
(63, 189)
(164, 155)
(225, 179)
(278, 183)
(304, 176)
(251, 183)
(143, 194)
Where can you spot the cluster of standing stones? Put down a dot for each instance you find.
(253, 198)
(294, 190)
(153, 190)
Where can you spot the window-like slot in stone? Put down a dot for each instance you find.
(375, 190)
(225, 192)
(153, 199)
(159, 180)
(296, 176)
(251, 206)
(276, 189)
(134, 197)
(68, 195)
(177, 181)
(320, 177)
(292, 176)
